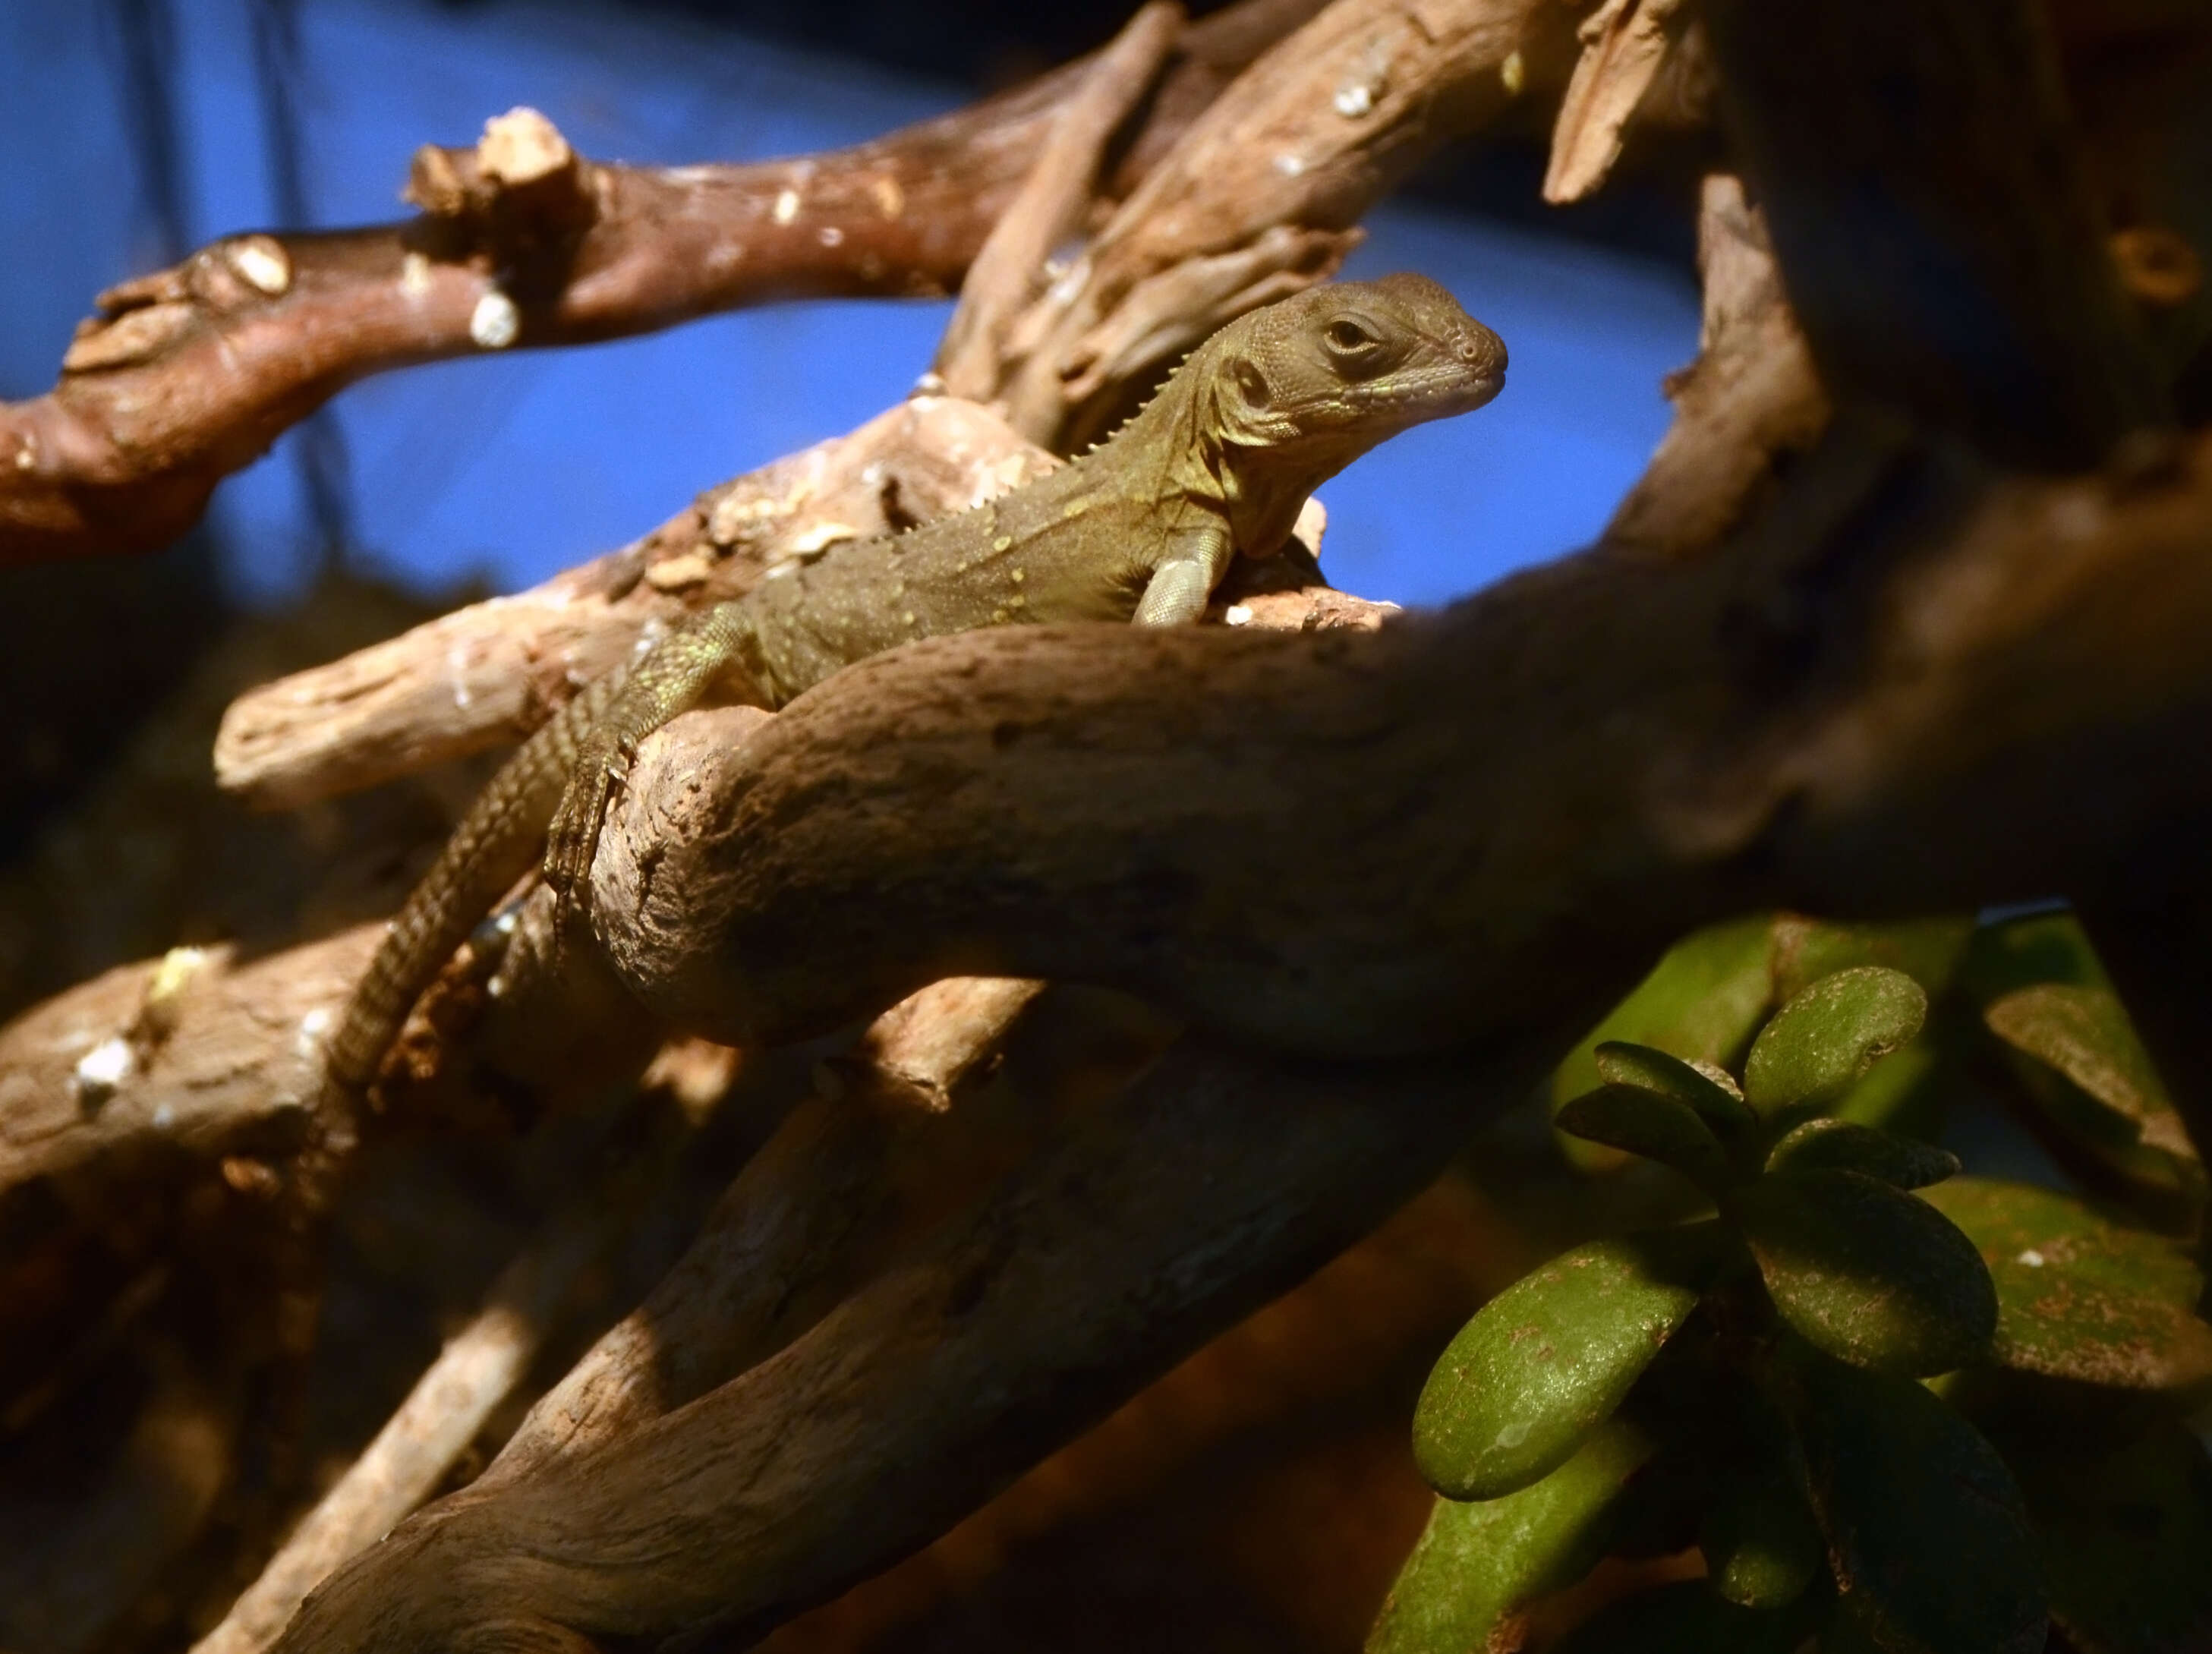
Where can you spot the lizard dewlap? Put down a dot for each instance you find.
(1141, 529)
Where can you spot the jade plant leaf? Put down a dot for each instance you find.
(2082, 1299)
(1829, 1035)
(2011, 1220)
(1475, 1564)
(2034, 947)
(2083, 1054)
(1928, 1538)
(1648, 1123)
(1549, 1358)
(1927, 950)
(1826, 1145)
(1761, 1546)
(1702, 1002)
(1721, 1106)
(1871, 1275)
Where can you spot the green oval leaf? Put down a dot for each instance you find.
(1650, 1124)
(2073, 1329)
(1926, 1536)
(1870, 1275)
(2031, 947)
(2086, 1062)
(2082, 1299)
(1927, 950)
(1702, 1002)
(1549, 1358)
(1828, 1145)
(1476, 1564)
(2012, 1220)
(1761, 1546)
(1720, 1106)
(1828, 1035)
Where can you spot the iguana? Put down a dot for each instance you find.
(1141, 528)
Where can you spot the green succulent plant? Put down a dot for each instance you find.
(1890, 1406)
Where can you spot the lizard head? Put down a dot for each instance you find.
(1314, 381)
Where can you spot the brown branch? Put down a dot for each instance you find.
(1143, 1226)
(479, 1366)
(1260, 198)
(1750, 399)
(1842, 712)
(178, 1062)
(804, 1224)
(190, 374)
(489, 674)
(1052, 204)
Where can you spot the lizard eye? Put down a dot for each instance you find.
(1349, 337)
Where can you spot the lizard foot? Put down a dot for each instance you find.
(573, 839)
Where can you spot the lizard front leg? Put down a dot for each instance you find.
(1185, 576)
(672, 677)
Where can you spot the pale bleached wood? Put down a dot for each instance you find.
(494, 670)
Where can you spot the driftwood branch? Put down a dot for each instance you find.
(171, 1065)
(478, 1368)
(1751, 397)
(1217, 1180)
(1625, 44)
(1827, 716)
(492, 672)
(914, 1057)
(188, 375)
(1053, 203)
(802, 1223)
(1261, 196)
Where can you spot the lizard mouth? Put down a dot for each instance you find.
(1432, 395)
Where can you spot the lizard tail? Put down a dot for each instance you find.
(498, 841)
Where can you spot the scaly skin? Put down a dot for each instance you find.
(1139, 529)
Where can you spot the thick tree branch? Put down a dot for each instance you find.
(804, 1224)
(175, 1063)
(190, 374)
(688, 1337)
(1895, 691)
(1146, 1224)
